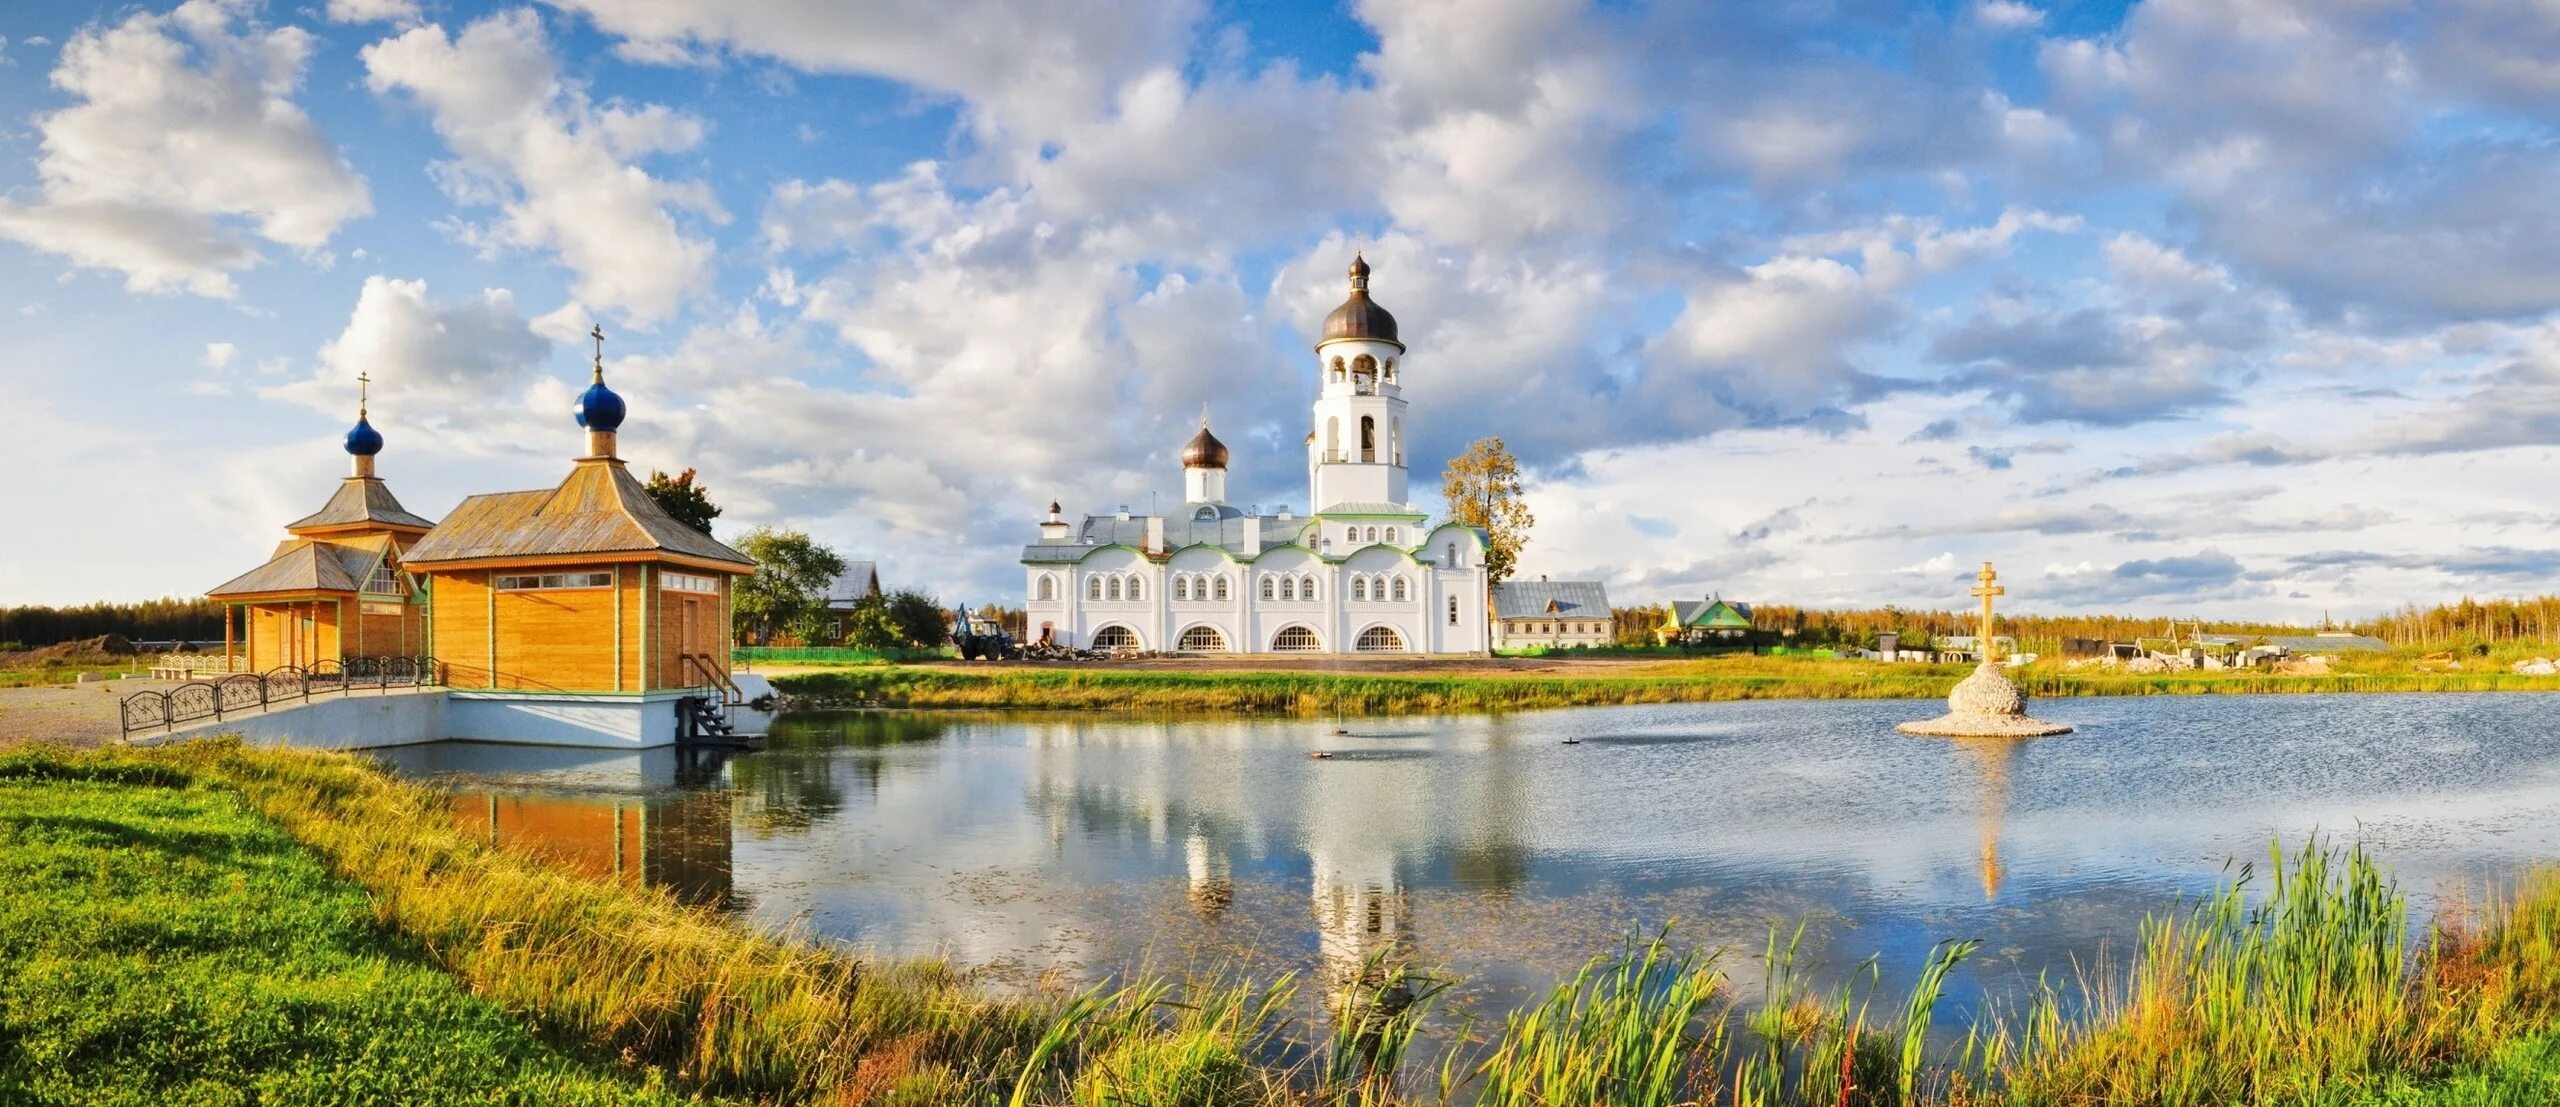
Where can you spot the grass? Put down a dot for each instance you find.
(1690, 681)
(160, 943)
(179, 948)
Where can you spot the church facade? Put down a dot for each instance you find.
(1364, 572)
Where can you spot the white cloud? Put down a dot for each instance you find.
(467, 366)
(185, 146)
(558, 166)
(373, 11)
(218, 355)
(2007, 15)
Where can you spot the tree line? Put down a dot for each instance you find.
(195, 619)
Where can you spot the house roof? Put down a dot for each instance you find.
(306, 567)
(361, 500)
(1711, 613)
(1529, 599)
(1205, 524)
(599, 509)
(858, 580)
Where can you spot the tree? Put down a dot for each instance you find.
(871, 627)
(920, 619)
(790, 581)
(1483, 490)
(690, 503)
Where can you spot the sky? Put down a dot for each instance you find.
(2214, 308)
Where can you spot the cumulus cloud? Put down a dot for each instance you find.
(560, 168)
(184, 150)
(464, 365)
(373, 11)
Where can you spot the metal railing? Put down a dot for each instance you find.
(198, 700)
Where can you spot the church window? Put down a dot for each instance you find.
(1452, 557)
(1048, 587)
(1337, 368)
(1113, 589)
(1267, 586)
(1379, 638)
(1137, 589)
(1295, 638)
(1307, 588)
(1391, 536)
(1221, 588)
(1364, 366)
(1359, 588)
(1368, 438)
(1373, 534)
(1453, 611)
(1391, 368)
(1093, 588)
(1203, 640)
(1115, 637)
(1289, 588)
(1182, 588)
(1400, 590)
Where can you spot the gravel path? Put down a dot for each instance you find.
(82, 716)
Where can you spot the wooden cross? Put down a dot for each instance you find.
(1989, 588)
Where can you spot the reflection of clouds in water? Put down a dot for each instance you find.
(1094, 843)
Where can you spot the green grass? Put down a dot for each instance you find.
(162, 944)
(1709, 680)
(2523, 1073)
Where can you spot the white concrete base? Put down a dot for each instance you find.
(746, 720)
(352, 721)
(561, 719)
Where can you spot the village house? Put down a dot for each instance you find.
(1552, 614)
(1710, 621)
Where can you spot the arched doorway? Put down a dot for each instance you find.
(1295, 639)
(1380, 640)
(1203, 639)
(1115, 637)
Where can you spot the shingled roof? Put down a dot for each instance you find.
(600, 509)
(305, 567)
(361, 500)
(1530, 599)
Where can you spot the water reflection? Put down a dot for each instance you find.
(1990, 760)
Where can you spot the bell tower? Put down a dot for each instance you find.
(1356, 453)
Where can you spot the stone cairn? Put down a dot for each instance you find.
(1987, 704)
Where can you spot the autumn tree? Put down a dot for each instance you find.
(1483, 490)
(689, 502)
(920, 618)
(790, 583)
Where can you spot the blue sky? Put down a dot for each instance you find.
(2206, 307)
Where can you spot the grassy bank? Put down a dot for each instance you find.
(160, 943)
(1699, 681)
(173, 869)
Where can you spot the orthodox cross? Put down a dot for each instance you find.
(1990, 587)
(364, 393)
(1204, 416)
(598, 335)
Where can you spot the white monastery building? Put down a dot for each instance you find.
(1363, 573)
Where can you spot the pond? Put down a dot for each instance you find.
(1072, 848)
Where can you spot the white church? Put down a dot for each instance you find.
(1363, 573)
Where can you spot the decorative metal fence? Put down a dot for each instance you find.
(198, 700)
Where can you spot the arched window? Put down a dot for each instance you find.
(1452, 559)
(1137, 588)
(1400, 590)
(1364, 366)
(1203, 640)
(1295, 638)
(1368, 438)
(1306, 588)
(1453, 611)
(1093, 588)
(1222, 589)
(1359, 588)
(1373, 534)
(1112, 590)
(1048, 587)
(1115, 637)
(1391, 368)
(1288, 588)
(1391, 536)
(1268, 586)
(1182, 588)
(1379, 638)
(1337, 368)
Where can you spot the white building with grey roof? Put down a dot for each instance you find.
(1552, 613)
(1365, 572)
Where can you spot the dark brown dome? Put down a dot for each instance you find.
(1204, 451)
(1359, 316)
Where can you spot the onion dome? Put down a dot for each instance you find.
(362, 439)
(1204, 451)
(1053, 507)
(599, 409)
(1359, 316)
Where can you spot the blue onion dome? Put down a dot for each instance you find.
(598, 408)
(362, 439)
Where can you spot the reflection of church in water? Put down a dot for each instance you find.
(1366, 826)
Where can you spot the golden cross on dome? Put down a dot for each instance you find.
(598, 335)
(1204, 416)
(1990, 587)
(364, 393)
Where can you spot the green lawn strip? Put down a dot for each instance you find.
(161, 944)
(2523, 1073)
